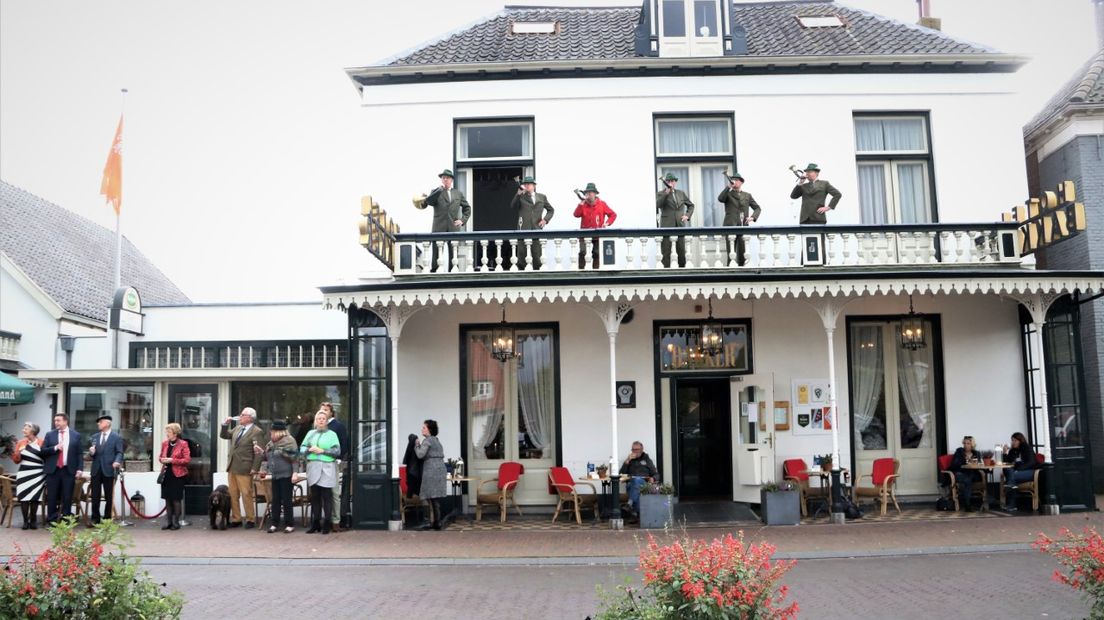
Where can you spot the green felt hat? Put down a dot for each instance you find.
(812, 167)
(446, 173)
(670, 177)
(737, 176)
(528, 180)
(591, 188)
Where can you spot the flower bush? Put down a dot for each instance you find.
(77, 578)
(1082, 555)
(695, 579)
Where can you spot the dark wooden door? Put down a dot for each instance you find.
(492, 191)
(704, 434)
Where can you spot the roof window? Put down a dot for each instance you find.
(820, 21)
(534, 27)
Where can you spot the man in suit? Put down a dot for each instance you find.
(338, 427)
(813, 193)
(534, 212)
(244, 463)
(674, 208)
(107, 458)
(450, 210)
(740, 210)
(61, 460)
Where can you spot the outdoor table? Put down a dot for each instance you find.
(606, 501)
(990, 469)
(825, 478)
(460, 508)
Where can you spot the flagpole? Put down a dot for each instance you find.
(118, 256)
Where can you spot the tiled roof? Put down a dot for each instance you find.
(1084, 90)
(606, 33)
(72, 258)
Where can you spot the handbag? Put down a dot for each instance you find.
(161, 476)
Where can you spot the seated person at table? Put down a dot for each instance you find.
(1023, 461)
(966, 478)
(640, 469)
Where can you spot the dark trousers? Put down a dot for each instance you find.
(738, 242)
(281, 502)
(680, 249)
(965, 481)
(442, 266)
(59, 494)
(523, 251)
(594, 252)
(102, 486)
(30, 511)
(321, 499)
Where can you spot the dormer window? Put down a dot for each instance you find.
(820, 21)
(534, 27)
(690, 27)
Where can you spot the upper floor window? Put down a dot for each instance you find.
(893, 156)
(698, 150)
(690, 27)
(488, 141)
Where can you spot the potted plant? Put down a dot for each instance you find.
(825, 462)
(780, 503)
(656, 505)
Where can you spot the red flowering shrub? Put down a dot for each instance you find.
(693, 579)
(75, 578)
(1082, 555)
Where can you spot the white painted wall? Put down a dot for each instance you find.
(288, 321)
(22, 314)
(601, 130)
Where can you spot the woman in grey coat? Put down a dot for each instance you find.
(429, 449)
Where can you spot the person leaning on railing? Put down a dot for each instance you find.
(322, 448)
(593, 213)
(674, 209)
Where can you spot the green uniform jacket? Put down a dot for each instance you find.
(532, 210)
(812, 197)
(672, 207)
(737, 203)
(447, 210)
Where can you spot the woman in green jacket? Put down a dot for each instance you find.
(322, 449)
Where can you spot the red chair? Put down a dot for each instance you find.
(1031, 487)
(406, 503)
(509, 474)
(794, 471)
(884, 478)
(945, 472)
(560, 479)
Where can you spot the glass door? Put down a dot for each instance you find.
(195, 409)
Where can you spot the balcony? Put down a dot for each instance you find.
(712, 249)
(9, 346)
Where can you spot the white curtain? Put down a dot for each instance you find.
(911, 189)
(872, 193)
(915, 377)
(694, 137)
(868, 375)
(879, 135)
(705, 18)
(537, 387)
(712, 182)
(486, 392)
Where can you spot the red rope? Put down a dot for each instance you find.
(134, 510)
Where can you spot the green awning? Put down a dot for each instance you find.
(13, 391)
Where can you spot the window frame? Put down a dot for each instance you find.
(894, 158)
(693, 161)
(690, 42)
(490, 121)
(156, 434)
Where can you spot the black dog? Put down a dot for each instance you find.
(220, 505)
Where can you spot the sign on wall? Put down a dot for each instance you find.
(626, 394)
(811, 410)
(126, 311)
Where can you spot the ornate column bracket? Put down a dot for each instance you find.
(1038, 304)
(394, 317)
(611, 314)
(829, 309)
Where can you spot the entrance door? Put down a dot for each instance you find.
(752, 434)
(492, 191)
(195, 409)
(893, 403)
(704, 425)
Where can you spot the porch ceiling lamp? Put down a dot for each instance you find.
(712, 334)
(503, 340)
(912, 330)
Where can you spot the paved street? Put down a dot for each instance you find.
(1002, 585)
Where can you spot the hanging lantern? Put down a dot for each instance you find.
(912, 330)
(712, 334)
(503, 340)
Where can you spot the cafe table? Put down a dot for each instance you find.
(990, 468)
(606, 502)
(460, 507)
(825, 478)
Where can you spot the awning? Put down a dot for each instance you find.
(13, 391)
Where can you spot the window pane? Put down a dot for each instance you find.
(536, 377)
(915, 381)
(912, 186)
(371, 442)
(889, 134)
(674, 18)
(868, 381)
(1067, 428)
(712, 212)
(705, 18)
(872, 193)
(494, 141)
(680, 349)
(694, 137)
(486, 398)
(131, 411)
(372, 357)
(294, 403)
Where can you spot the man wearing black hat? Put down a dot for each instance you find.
(534, 212)
(450, 209)
(740, 210)
(674, 208)
(813, 193)
(107, 457)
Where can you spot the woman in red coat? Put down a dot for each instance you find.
(175, 457)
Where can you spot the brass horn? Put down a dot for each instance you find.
(419, 201)
(797, 173)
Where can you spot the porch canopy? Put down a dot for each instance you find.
(13, 391)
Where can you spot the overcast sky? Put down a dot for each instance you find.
(243, 148)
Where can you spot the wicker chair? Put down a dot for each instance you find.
(946, 476)
(884, 480)
(509, 474)
(794, 471)
(1031, 487)
(561, 482)
(8, 499)
(407, 503)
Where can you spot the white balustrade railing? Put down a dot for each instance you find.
(751, 248)
(9, 347)
(293, 355)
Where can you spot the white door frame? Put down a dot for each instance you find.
(752, 458)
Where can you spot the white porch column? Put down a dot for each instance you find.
(829, 309)
(611, 314)
(1038, 305)
(394, 317)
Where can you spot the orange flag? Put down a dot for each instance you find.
(112, 185)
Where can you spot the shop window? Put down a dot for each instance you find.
(894, 164)
(295, 403)
(680, 349)
(131, 411)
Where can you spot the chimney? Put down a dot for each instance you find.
(1099, 15)
(927, 21)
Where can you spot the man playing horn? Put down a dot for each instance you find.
(813, 193)
(450, 210)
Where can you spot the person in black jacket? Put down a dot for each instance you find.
(1024, 464)
(966, 478)
(413, 469)
(640, 469)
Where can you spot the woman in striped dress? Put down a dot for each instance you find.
(30, 479)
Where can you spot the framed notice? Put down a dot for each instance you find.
(811, 407)
(781, 415)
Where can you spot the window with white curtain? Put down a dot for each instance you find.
(698, 136)
(893, 158)
(494, 141)
(698, 151)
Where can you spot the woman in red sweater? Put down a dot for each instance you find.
(594, 213)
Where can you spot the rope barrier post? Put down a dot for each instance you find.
(126, 501)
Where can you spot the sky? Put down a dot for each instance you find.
(244, 143)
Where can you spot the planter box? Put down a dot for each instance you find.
(780, 507)
(656, 511)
